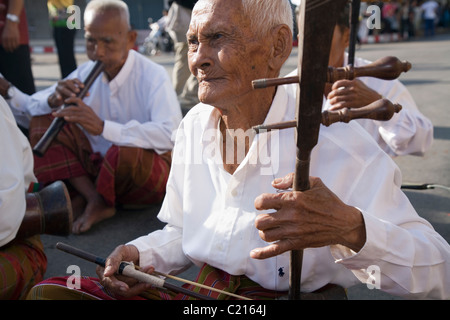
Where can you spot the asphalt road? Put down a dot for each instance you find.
(428, 82)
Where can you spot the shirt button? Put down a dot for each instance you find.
(234, 193)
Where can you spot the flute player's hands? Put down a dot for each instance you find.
(64, 90)
(78, 112)
(310, 219)
(121, 285)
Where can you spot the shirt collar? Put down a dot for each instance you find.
(124, 73)
(276, 112)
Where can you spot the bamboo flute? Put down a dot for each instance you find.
(58, 123)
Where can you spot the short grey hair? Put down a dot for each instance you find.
(105, 5)
(266, 14)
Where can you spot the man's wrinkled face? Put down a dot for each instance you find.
(108, 40)
(224, 54)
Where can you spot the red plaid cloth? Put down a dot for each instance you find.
(90, 288)
(69, 155)
(126, 175)
(132, 176)
(22, 264)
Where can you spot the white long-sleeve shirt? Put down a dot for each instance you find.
(22, 116)
(16, 174)
(139, 106)
(210, 213)
(407, 132)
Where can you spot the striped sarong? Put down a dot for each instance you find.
(69, 155)
(91, 289)
(22, 265)
(132, 176)
(57, 288)
(125, 175)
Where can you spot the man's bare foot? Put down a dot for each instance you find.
(78, 206)
(95, 211)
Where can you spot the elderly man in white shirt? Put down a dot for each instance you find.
(222, 209)
(120, 134)
(22, 261)
(8, 91)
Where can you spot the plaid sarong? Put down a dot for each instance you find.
(22, 265)
(69, 155)
(132, 176)
(125, 175)
(91, 289)
(219, 279)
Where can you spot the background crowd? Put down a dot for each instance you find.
(407, 19)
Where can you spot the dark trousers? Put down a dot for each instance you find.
(16, 68)
(64, 40)
(429, 27)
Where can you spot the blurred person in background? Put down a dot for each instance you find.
(63, 35)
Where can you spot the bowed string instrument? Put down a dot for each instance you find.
(316, 22)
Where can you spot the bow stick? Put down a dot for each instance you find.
(132, 271)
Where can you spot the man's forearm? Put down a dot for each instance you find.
(15, 7)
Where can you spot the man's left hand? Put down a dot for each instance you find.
(351, 94)
(78, 112)
(309, 219)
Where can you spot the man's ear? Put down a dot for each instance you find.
(282, 45)
(132, 36)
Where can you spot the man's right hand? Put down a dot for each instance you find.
(65, 89)
(121, 285)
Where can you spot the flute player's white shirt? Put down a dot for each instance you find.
(139, 106)
(210, 213)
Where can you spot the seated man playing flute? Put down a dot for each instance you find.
(117, 146)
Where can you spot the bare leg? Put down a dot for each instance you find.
(95, 211)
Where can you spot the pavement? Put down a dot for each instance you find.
(428, 82)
